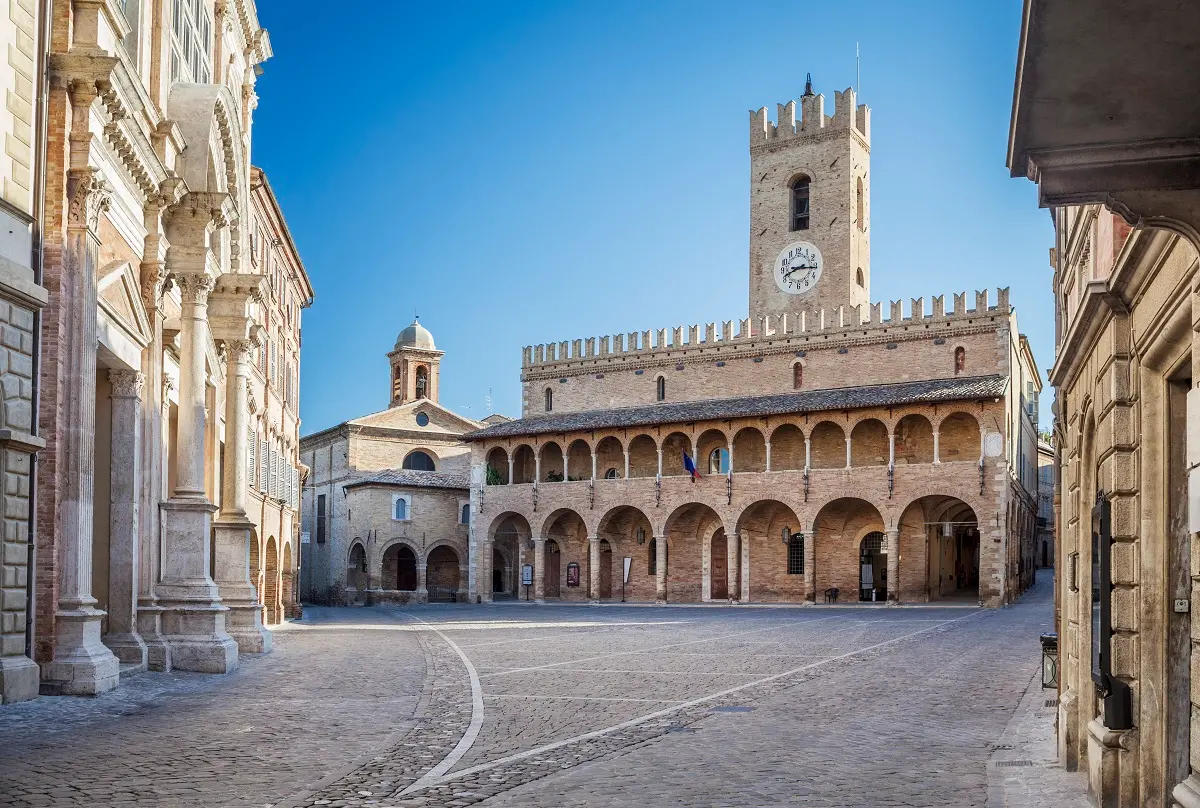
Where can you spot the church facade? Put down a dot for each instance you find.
(386, 501)
(823, 447)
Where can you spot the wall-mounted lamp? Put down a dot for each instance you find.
(787, 534)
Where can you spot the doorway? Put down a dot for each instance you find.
(872, 566)
(719, 566)
(499, 573)
(606, 556)
(553, 569)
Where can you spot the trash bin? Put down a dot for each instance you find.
(1049, 659)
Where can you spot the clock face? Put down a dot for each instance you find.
(798, 268)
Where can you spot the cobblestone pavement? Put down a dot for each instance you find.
(517, 705)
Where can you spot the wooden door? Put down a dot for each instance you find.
(606, 558)
(553, 562)
(719, 567)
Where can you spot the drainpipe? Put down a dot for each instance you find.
(39, 212)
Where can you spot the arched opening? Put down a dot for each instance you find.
(643, 457)
(627, 530)
(914, 440)
(497, 467)
(399, 570)
(549, 399)
(675, 446)
(797, 375)
(718, 565)
(749, 450)
(422, 381)
(960, 360)
(660, 388)
(869, 443)
(551, 455)
(552, 574)
(569, 533)
(606, 570)
(271, 587)
(859, 279)
(419, 460)
(872, 564)
(579, 461)
(524, 465)
(940, 534)
(688, 529)
(787, 448)
(509, 534)
(838, 531)
(610, 458)
(958, 438)
(287, 590)
(712, 449)
(828, 443)
(256, 571)
(800, 198)
(442, 575)
(767, 526)
(356, 568)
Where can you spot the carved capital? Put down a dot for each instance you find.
(88, 196)
(126, 383)
(194, 287)
(239, 350)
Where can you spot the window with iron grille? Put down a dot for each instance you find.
(795, 555)
(191, 41)
(320, 518)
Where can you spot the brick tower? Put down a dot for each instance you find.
(810, 206)
(414, 362)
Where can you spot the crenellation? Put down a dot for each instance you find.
(710, 332)
(918, 308)
(981, 301)
(661, 339)
(632, 342)
(897, 311)
(676, 336)
(604, 346)
(960, 302)
(727, 330)
(590, 344)
(564, 351)
(939, 306)
(744, 328)
(618, 343)
(577, 348)
(876, 315)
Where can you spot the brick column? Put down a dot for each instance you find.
(660, 569)
(123, 522)
(893, 565)
(594, 568)
(733, 581)
(810, 566)
(81, 664)
(539, 569)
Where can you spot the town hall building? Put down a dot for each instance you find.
(823, 447)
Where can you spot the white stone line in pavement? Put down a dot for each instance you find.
(575, 698)
(633, 722)
(468, 738)
(656, 673)
(657, 647)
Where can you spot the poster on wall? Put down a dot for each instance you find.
(573, 574)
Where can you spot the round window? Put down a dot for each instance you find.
(422, 419)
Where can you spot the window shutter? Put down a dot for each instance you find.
(262, 468)
(251, 445)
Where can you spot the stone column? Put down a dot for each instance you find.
(807, 452)
(537, 467)
(732, 579)
(810, 566)
(848, 455)
(593, 465)
(123, 521)
(937, 457)
(81, 663)
(539, 569)
(422, 581)
(194, 619)
(660, 569)
(510, 469)
(893, 565)
(233, 529)
(594, 567)
(660, 463)
(891, 450)
(626, 453)
(768, 445)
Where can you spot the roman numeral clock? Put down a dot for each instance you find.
(798, 268)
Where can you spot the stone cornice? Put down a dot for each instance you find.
(828, 133)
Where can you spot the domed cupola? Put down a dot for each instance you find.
(414, 362)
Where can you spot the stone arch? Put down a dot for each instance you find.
(630, 532)
(552, 457)
(442, 575)
(287, 584)
(564, 523)
(787, 448)
(610, 455)
(959, 437)
(869, 443)
(509, 532)
(828, 440)
(524, 464)
(397, 562)
(420, 457)
(914, 439)
(497, 465)
(643, 456)
(749, 450)
(686, 529)
(710, 442)
(579, 460)
(357, 571)
(674, 445)
(271, 583)
(838, 528)
(941, 547)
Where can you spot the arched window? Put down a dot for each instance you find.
(652, 562)
(797, 376)
(549, 399)
(418, 461)
(718, 461)
(795, 554)
(422, 382)
(862, 284)
(611, 474)
(358, 558)
(400, 509)
(800, 200)
(464, 515)
(862, 220)
(960, 359)
(661, 388)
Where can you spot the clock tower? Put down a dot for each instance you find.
(810, 237)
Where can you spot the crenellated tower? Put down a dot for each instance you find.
(810, 206)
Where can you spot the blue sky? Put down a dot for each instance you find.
(529, 172)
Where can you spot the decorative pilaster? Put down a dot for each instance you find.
(124, 517)
(81, 663)
(893, 565)
(539, 569)
(660, 569)
(594, 568)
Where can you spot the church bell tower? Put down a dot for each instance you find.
(810, 245)
(414, 361)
